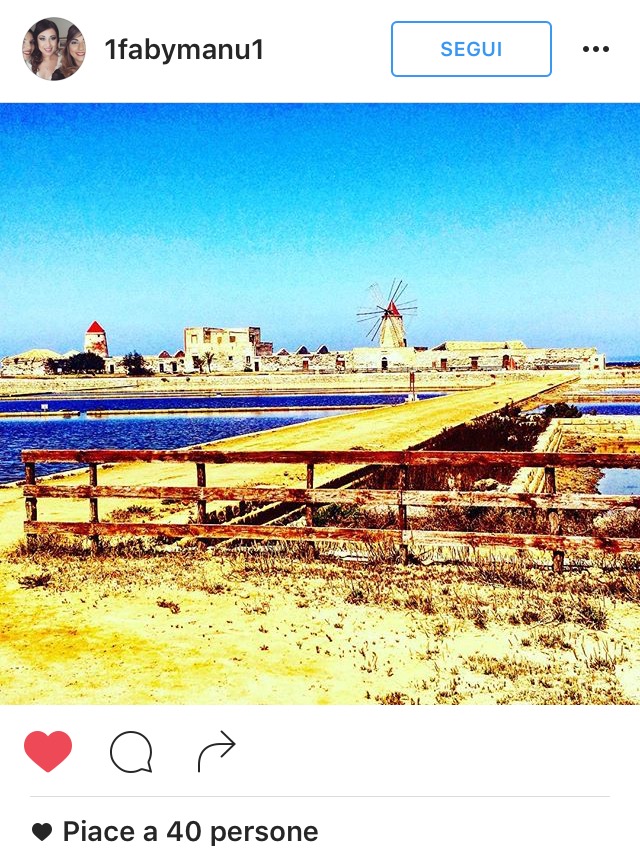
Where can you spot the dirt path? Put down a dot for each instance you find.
(388, 428)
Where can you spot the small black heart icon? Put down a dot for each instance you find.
(41, 831)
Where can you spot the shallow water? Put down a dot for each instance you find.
(145, 431)
(620, 482)
(616, 481)
(57, 404)
(609, 408)
(154, 431)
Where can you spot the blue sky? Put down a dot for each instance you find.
(507, 221)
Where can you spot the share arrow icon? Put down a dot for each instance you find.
(229, 743)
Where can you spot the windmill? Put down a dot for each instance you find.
(387, 316)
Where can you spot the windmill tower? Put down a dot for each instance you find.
(392, 332)
(95, 340)
(388, 316)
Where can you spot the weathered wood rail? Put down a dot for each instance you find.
(307, 497)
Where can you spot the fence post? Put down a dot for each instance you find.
(402, 513)
(31, 504)
(93, 507)
(201, 473)
(553, 516)
(308, 511)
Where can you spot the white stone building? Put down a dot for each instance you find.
(215, 349)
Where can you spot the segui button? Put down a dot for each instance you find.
(471, 49)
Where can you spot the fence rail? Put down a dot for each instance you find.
(521, 459)
(307, 497)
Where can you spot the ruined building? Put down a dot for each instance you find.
(214, 348)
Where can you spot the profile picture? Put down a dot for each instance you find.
(53, 49)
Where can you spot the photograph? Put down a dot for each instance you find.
(318, 404)
(53, 49)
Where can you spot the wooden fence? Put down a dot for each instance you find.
(400, 498)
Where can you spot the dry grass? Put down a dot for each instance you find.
(448, 628)
(133, 512)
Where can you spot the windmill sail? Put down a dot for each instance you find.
(388, 323)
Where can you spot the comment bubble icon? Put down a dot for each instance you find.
(131, 752)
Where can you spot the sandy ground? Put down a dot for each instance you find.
(181, 626)
(224, 629)
(248, 383)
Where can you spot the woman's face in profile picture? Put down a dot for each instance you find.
(77, 49)
(48, 42)
(27, 45)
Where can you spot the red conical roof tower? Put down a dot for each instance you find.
(95, 340)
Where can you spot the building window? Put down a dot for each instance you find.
(207, 337)
(232, 339)
(194, 339)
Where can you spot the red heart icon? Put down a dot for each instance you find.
(47, 751)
